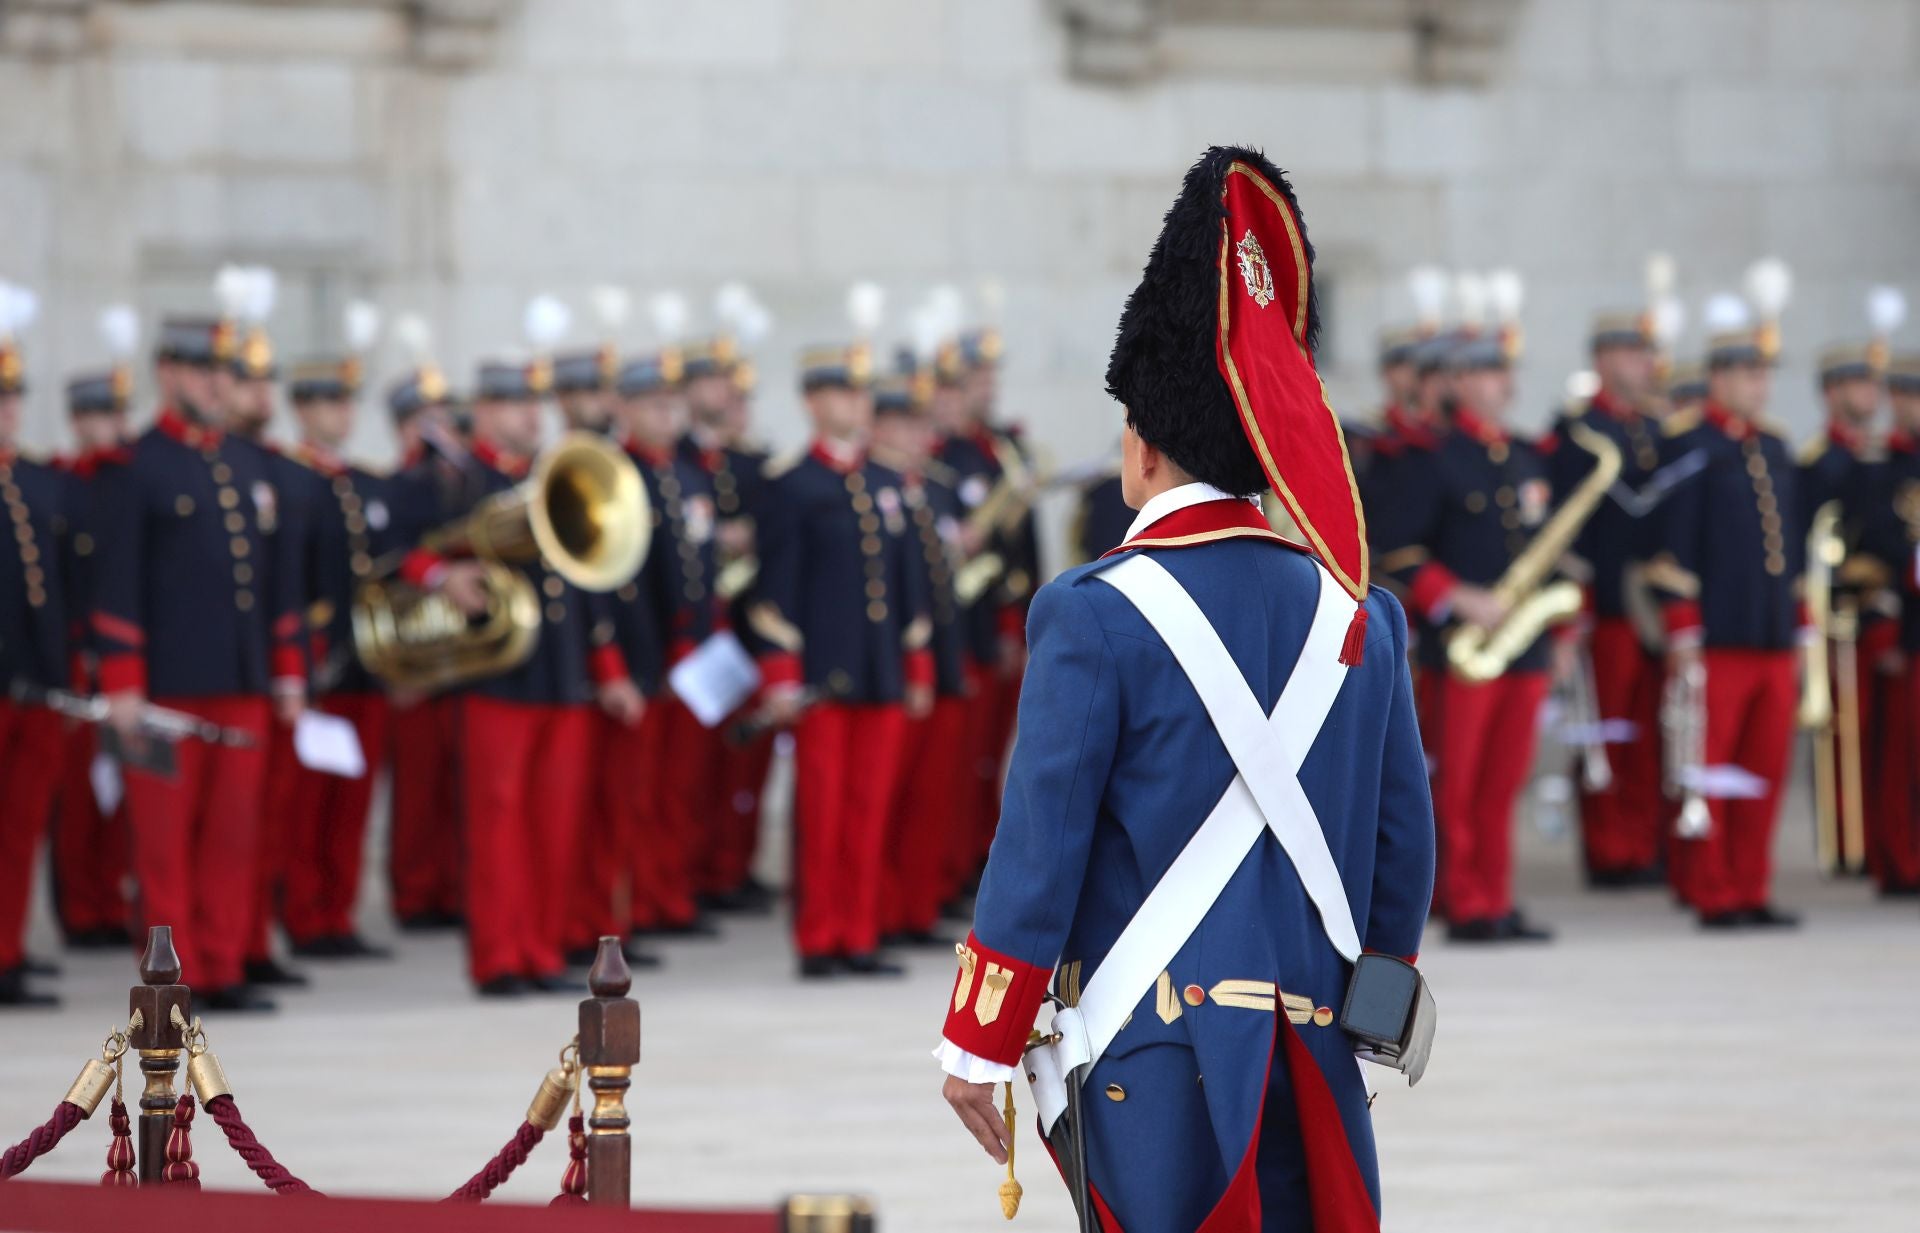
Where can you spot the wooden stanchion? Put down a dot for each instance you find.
(158, 1040)
(609, 1050)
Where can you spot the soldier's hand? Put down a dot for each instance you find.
(1892, 662)
(974, 1103)
(123, 712)
(465, 585)
(621, 699)
(1566, 659)
(919, 701)
(289, 703)
(1477, 606)
(1682, 654)
(735, 539)
(782, 707)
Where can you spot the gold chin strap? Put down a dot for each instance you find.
(1010, 1190)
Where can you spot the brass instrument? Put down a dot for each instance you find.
(1683, 718)
(1839, 822)
(582, 510)
(1583, 700)
(1001, 511)
(1477, 654)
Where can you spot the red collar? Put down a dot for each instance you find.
(654, 456)
(510, 465)
(8, 455)
(1726, 421)
(1900, 441)
(320, 458)
(984, 441)
(1847, 438)
(1480, 430)
(186, 432)
(1603, 402)
(832, 460)
(1203, 524)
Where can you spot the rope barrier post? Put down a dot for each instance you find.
(609, 1050)
(157, 1037)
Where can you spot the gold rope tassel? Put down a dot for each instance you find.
(1010, 1190)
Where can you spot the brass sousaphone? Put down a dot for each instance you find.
(582, 509)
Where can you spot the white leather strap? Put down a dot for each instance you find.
(1271, 748)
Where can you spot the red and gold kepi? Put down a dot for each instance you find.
(1264, 343)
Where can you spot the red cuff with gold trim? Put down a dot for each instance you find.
(995, 999)
(780, 668)
(920, 667)
(289, 663)
(1681, 616)
(1430, 588)
(607, 664)
(120, 673)
(419, 566)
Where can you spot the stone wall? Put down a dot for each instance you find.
(464, 154)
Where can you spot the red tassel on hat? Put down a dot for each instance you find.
(1354, 649)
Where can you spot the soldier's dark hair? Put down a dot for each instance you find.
(1163, 369)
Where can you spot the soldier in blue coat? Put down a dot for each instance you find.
(33, 652)
(1228, 1100)
(845, 618)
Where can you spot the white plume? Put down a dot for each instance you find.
(120, 330)
(1583, 384)
(259, 289)
(993, 299)
(742, 314)
(866, 307)
(754, 325)
(1726, 313)
(1470, 297)
(545, 322)
(231, 289)
(1886, 310)
(1662, 276)
(948, 308)
(612, 305)
(415, 335)
(926, 328)
(18, 308)
(1769, 286)
(1669, 319)
(669, 312)
(1427, 285)
(1506, 292)
(361, 325)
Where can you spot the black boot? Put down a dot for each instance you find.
(15, 993)
(272, 973)
(873, 965)
(236, 999)
(819, 967)
(503, 987)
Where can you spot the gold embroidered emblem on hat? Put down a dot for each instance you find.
(1254, 270)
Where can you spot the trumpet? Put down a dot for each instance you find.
(582, 510)
(1583, 700)
(1477, 654)
(1839, 820)
(1683, 717)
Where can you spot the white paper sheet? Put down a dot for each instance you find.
(1724, 782)
(328, 744)
(108, 790)
(715, 679)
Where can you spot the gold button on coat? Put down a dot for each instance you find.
(1116, 1093)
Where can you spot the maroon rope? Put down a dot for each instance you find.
(226, 1115)
(42, 1140)
(501, 1167)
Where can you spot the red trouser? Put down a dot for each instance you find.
(926, 811)
(196, 841)
(1485, 745)
(1621, 827)
(329, 829)
(737, 831)
(30, 739)
(280, 805)
(1898, 865)
(991, 717)
(847, 764)
(424, 863)
(1750, 704)
(618, 794)
(89, 848)
(526, 777)
(685, 787)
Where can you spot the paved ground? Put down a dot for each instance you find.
(1636, 1076)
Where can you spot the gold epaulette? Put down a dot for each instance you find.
(1811, 452)
(940, 473)
(1680, 423)
(780, 464)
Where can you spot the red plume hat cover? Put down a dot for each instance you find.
(1214, 359)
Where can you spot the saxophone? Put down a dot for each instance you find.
(1478, 654)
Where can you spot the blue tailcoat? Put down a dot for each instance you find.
(1117, 766)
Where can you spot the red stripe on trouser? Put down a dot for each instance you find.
(30, 767)
(90, 849)
(737, 835)
(924, 816)
(425, 860)
(196, 841)
(1485, 748)
(1750, 703)
(847, 763)
(526, 774)
(1621, 827)
(1899, 863)
(322, 879)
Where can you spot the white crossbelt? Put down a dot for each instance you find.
(1265, 796)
